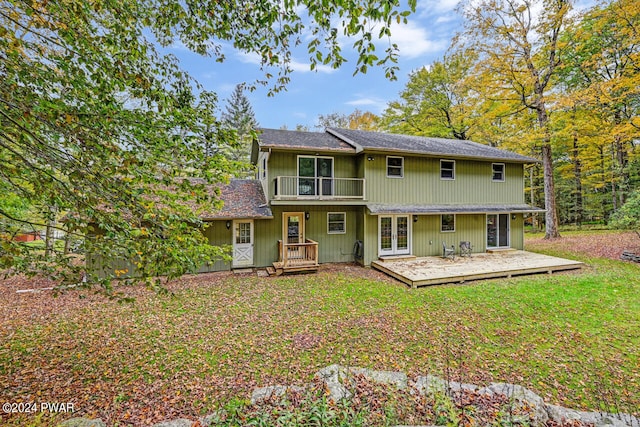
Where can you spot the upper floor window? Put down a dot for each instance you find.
(395, 167)
(264, 167)
(447, 169)
(497, 171)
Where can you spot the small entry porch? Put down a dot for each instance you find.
(426, 271)
(295, 258)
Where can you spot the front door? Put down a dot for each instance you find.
(243, 243)
(293, 227)
(394, 235)
(498, 231)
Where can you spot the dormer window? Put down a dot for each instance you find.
(395, 167)
(448, 169)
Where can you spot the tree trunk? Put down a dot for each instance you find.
(577, 173)
(551, 216)
(49, 234)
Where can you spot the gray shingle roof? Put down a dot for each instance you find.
(377, 141)
(378, 209)
(243, 198)
(308, 141)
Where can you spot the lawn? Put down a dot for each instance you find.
(573, 338)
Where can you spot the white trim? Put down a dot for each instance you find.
(315, 169)
(243, 255)
(453, 171)
(454, 224)
(504, 172)
(344, 223)
(508, 231)
(394, 236)
(401, 166)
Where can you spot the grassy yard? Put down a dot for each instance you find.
(573, 338)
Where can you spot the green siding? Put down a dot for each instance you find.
(331, 247)
(427, 237)
(218, 235)
(421, 183)
(286, 164)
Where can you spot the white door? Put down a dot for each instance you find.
(394, 235)
(243, 243)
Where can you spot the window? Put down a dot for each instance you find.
(336, 223)
(447, 222)
(497, 171)
(243, 233)
(315, 176)
(395, 167)
(264, 167)
(447, 169)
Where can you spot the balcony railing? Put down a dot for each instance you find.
(298, 255)
(302, 187)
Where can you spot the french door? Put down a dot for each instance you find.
(315, 176)
(394, 235)
(497, 230)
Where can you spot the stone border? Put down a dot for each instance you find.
(337, 381)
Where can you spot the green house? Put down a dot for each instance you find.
(348, 195)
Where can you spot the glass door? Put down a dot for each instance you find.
(498, 231)
(315, 176)
(394, 235)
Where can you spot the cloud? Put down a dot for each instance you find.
(377, 104)
(298, 66)
(414, 40)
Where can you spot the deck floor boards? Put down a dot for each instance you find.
(437, 270)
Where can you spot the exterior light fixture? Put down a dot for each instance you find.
(307, 216)
(228, 224)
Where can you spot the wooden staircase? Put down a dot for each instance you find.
(295, 258)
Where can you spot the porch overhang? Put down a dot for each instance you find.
(392, 209)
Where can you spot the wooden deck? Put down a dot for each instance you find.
(436, 270)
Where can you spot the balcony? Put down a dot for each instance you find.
(320, 188)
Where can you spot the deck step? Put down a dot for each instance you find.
(396, 258)
(271, 271)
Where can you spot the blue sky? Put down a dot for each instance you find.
(311, 93)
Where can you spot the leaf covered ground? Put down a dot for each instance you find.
(572, 338)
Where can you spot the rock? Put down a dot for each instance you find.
(82, 422)
(331, 377)
(431, 384)
(523, 398)
(264, 393)
(212, 419)
(603, 419)
(398, 379)
(180, 422)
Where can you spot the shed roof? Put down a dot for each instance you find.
(382, 209)
(243, 198)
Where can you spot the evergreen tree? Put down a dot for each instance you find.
(239, 117)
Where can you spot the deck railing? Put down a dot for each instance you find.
(298, 254)
(303, 187)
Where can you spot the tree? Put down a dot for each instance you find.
(356, 120)
(521, 50)
(240, 118)
(601, 74)
(95, 122)
(437, 100)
